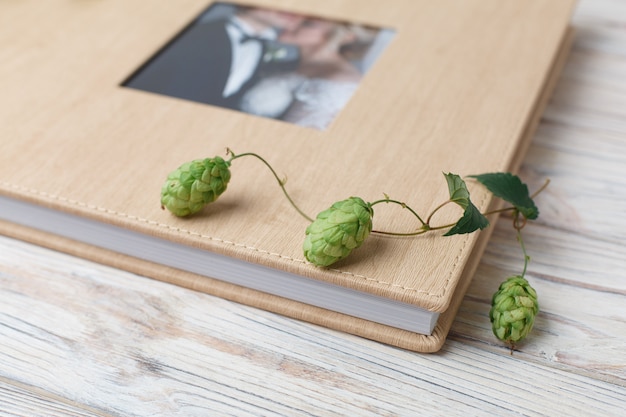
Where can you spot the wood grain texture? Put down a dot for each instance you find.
(20, 400)
(82, 339)
(148, 348)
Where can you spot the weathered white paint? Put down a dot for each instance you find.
(77, 338)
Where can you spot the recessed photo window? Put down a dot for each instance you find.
(265, 62)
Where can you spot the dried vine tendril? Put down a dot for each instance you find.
(346, 224)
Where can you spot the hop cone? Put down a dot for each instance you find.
(337, 231)
(194, 184)
(513, 310)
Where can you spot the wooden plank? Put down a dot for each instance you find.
(601, 10)
(115, 341)
(582, 318)
(19, 400)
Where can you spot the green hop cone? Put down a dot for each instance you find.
(194, 184)
(337, 231)
(513, 310)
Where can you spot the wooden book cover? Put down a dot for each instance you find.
(96, 109)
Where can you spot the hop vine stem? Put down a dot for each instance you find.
(436, 209)
(281, 182)
(403, 205)
(543, 187)
(519, 220)
(425, 225)
(519, 225)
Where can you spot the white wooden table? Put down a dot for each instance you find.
(81, 339)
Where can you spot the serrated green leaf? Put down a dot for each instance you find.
(511, 189)
(471, 221)
(458, 190)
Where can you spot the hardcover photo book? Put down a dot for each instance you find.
(102, 100)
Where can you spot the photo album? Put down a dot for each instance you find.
(121, 124)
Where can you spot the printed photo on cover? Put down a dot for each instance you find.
(265, 62)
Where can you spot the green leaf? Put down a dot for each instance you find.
(458, 190)
(511, 189)
(471, 221)
(472, 218)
